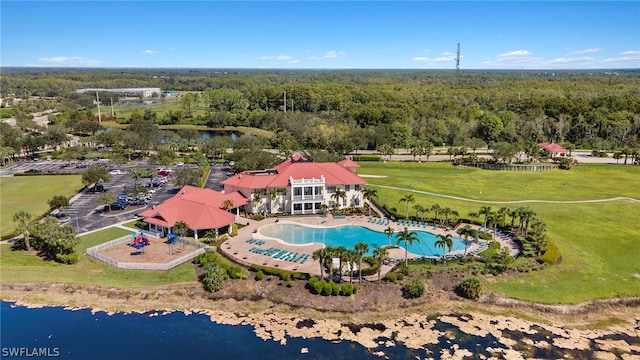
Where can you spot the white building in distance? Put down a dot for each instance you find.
(128, 92)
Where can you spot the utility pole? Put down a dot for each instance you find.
(458, 66)
(98, 102)
(285, 102)
(112, 113)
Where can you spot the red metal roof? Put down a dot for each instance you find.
(552, 147)
(348, 163)
(334, 174)
(198, 208)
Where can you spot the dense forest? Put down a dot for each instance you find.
(341, 111)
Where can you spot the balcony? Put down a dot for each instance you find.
(303, 181)
(308, 197)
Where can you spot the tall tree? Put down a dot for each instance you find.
(389, 232)
(256, 196)
(338, 194)
(23, 219)
(445, 242)
(361, 248)
(272, 194)
(408, 199)
(320, 255)
(58, 202)
(485, 210)
(369, 194)
(380, 254)
(408, 237)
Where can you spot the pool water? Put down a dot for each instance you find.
(349, 235)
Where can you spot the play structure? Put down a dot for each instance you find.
(139, 240)
(172, 240)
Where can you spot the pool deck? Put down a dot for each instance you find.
(239, 247)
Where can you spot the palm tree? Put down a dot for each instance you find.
(181, 228)
(328, 258)
(361, 249)
(485, 210)
(494, 219)
(337, 195)
(446, 212)
(23, 219)
(514, 215)
(320, 255)
(351, 258)
(381, 254)
(369, 194)
(136, 174)
(340, 252)
(389, 231)
(528, 216)
(211, 236)
(272, 194)
(227, 204)
(466, 232)
(324, 208)
(256, 196)
(408, 237)
(419, 209)
(407, 199)
(445, 242)
(473, 215)
(436, 211)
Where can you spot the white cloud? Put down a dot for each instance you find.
(514, 54)
(328, 55)
(69, 60)
(267, 57)
(294, 61)
(420, 58)
(279, 57)
(149, 52)
(566, 60)
(283, 57)
(627, 53)
(586, 51)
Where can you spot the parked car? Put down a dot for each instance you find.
(164, 172)
(82, 165)
(33, 171)
(117, 172)
(181, 163)
(119, 205)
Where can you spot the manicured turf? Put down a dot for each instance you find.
(31, 193)
(599, 242)
(20, 266)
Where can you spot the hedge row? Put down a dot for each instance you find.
(283, 274)
(233, 271)
(325, 288)
(373, 268)
(366, 158)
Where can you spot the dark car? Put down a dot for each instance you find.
(33, 171)
(119, 205)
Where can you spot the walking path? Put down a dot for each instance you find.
(620, 198)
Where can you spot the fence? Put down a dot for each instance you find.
(93, 252)
(494, 166)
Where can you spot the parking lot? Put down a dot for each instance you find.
(85, 214)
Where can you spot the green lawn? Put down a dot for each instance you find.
(599, 242)
(19, 266)
(31, 193)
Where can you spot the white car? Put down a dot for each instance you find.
(180, 163)
(117, 172)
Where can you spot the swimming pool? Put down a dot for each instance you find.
(349, 235)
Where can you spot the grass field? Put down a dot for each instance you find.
(31, 193)
(599, 242)
(19, 266)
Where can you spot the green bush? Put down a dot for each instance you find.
(318, 286)
(373, 267)
(259, 276)
(213, 277)
(400, 276)
(236, 272)
(67, 258)
(551, 254)
(355, 289)
(327, 289)
(313, 280)
(391, 277)
(346, 290)
(290, 283)
(335, 289)
(280, 272)
(234, 229)
(413, 289)
(470, 288)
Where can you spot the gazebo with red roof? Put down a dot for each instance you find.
(553, 149)
(200, 209)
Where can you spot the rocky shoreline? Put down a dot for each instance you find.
(593, 328)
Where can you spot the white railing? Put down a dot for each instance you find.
(304, 181)
(93, 252)
(307, 197)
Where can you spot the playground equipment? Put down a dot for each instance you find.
(139, 241)
(173, 239)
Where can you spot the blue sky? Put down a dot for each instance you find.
(327, 35)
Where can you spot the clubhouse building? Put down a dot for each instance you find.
(299, 186)
(296, 186)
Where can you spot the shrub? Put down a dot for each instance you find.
(318, 286)
(290, 283)
(235, 272)
(327, 289)
(470, 288)
(551, 254)
(400, 276)
(373, 267)
(413, 289)
(355, 289)
(347, 289)
(259, 275)
(366, 158)
(313, 280)
(335, 289)
(391, 277)
(234, 229)
(67, 258)
(213, 276)
(280, 272)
